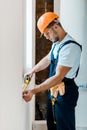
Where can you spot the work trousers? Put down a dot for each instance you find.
(64, 109)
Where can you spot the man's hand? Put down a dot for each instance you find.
(27, 95)
(28, 73)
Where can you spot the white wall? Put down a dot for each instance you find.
(73, 16)
(12, 107)
(57, 6)
(29, 54)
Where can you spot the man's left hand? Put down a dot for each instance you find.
(27, 95)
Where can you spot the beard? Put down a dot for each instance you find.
(56, 39)
(55, 36)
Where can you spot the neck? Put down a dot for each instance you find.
(62, 35)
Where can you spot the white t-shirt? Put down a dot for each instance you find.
(69, 55)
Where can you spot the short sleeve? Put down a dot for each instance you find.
(69, 54)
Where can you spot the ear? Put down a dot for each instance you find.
(55, 26)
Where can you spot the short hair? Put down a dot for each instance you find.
(53, 22)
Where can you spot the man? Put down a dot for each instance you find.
(64, 60)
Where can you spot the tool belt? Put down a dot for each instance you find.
(58, 88)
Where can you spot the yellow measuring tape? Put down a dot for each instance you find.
(26, 82)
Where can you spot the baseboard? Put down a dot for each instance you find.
(41, 125)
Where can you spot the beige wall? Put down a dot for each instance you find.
(12, 107)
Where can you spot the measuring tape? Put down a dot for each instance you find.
(26, 82)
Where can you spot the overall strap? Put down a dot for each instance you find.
(68, 42)
(52, 65)
(52, 50)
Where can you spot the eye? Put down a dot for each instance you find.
(47, 33)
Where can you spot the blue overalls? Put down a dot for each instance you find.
(64, 108)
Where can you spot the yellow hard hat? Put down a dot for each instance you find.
(45, 20)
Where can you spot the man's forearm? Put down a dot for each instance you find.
(46, 85)
(52, 81)
(44, 63)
